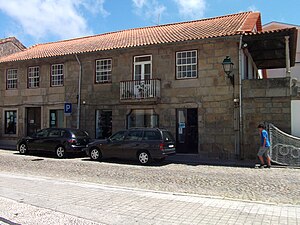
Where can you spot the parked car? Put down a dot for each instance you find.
(143, 144)
(58, 140)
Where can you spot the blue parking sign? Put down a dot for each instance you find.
(68, 108)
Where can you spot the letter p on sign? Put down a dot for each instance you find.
(68, 108)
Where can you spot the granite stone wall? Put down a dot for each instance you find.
(211, 93)
(264, 101)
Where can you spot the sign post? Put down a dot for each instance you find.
(68, 109)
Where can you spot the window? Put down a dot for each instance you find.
(10, 122)
(186, 64)
(12, 78)
(56, 118)
(167, 136)
(152, 135)
(33, 77)
(119, 136)
(134, 135)
(55, 133)
(142, 118)
(57, 75)
(42, 133)
(103, 70)
(143, 67)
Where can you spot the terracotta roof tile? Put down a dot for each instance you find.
(277, 26)
(207, 28)
(253, 21)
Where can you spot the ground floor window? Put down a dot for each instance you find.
(103, 124)
(10, 122)
(142, 118)
(57, 118)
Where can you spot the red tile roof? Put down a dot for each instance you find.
(201, 29)
(277, 26)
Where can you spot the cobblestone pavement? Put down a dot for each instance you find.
(276, 185)
(57, 201)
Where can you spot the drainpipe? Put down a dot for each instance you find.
(79, 93)
(240, 131)
(287, 56)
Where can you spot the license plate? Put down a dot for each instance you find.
(171, 146)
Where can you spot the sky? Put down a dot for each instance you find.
(41, 21)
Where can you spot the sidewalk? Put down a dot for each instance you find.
(105, 204)
(8, 144)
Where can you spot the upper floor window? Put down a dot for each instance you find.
(33, 77)
(103, 70)
(186, 64)
(57, 75)
(12, 78)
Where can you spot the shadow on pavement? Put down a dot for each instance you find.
(51, 155)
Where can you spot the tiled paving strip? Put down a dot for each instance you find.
(118, 205)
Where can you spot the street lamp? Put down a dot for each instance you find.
(228, 67)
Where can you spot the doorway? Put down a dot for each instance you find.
(103, 124)
(187, 130)
(33, 121)
(142, 75)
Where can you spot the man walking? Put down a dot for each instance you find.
(264, 149)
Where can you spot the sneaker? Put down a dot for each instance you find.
(269, 166)
(261, 166)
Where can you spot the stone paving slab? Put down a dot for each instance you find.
(106, 204)
(11, 211)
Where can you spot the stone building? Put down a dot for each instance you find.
(10, 45)
(169, 76)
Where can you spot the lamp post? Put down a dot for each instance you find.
(228, 67)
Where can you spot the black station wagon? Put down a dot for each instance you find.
(143, 144)
(58, 140)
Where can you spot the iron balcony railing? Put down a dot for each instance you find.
(140, 89)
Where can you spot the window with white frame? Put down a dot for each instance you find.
(12, 78)
(103, 70)
(57, 75)
(143, 67)
(186, 64)
(33, 77)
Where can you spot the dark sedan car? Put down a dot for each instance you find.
(143, 144)
(58, 140)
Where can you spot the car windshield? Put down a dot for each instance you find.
(168, 137)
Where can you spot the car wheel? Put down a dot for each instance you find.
(144, 157)
(23, 148)
(60, 152)
(95, 154)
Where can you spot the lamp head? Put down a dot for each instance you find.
(227, 65)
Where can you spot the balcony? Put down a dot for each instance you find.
(140, 90)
